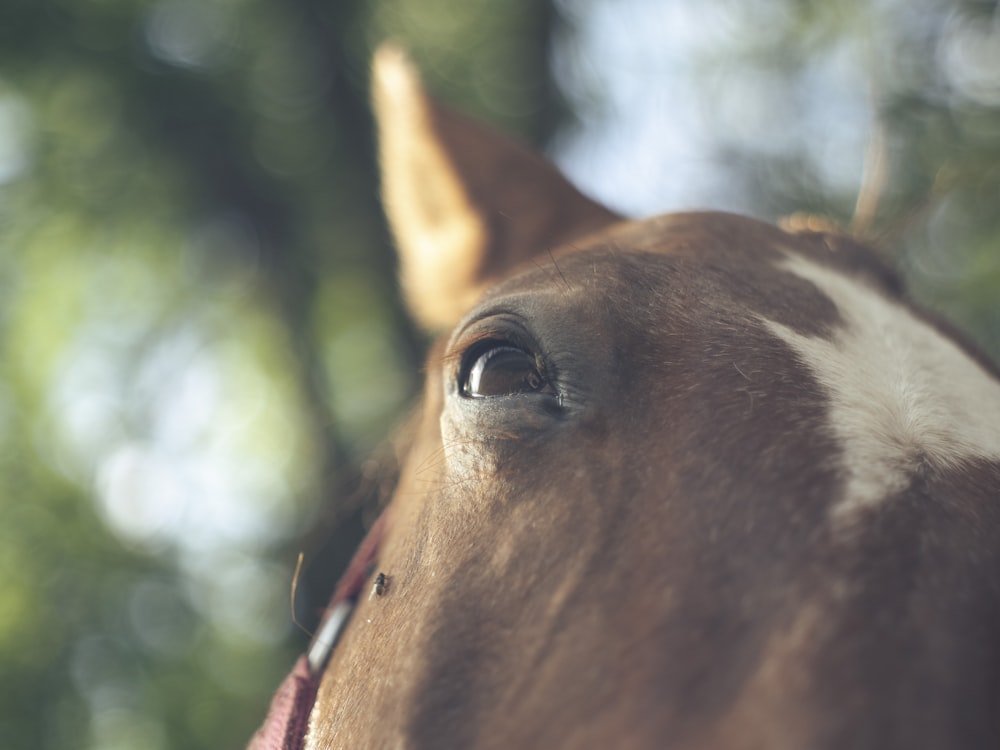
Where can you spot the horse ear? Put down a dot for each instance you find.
(465, 203)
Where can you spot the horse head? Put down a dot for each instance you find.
(692, 482)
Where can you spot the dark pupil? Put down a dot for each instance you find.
(503, 371)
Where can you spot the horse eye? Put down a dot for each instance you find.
(502, 371)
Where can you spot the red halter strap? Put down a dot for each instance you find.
(288, 718)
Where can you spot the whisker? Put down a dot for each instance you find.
(558, 269)
(295, 586)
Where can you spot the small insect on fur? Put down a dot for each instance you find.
(380, 585)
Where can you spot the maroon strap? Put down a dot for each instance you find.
(288, 718)
(353, 579)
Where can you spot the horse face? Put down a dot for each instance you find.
(690, 482)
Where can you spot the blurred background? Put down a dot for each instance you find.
(201, 346)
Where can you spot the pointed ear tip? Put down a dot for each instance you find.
(393, 73)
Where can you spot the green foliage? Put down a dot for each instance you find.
(199, 339)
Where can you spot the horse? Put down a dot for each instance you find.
(693, 482)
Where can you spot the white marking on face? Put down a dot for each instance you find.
(900, 392)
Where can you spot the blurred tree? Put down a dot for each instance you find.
(200, 339)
